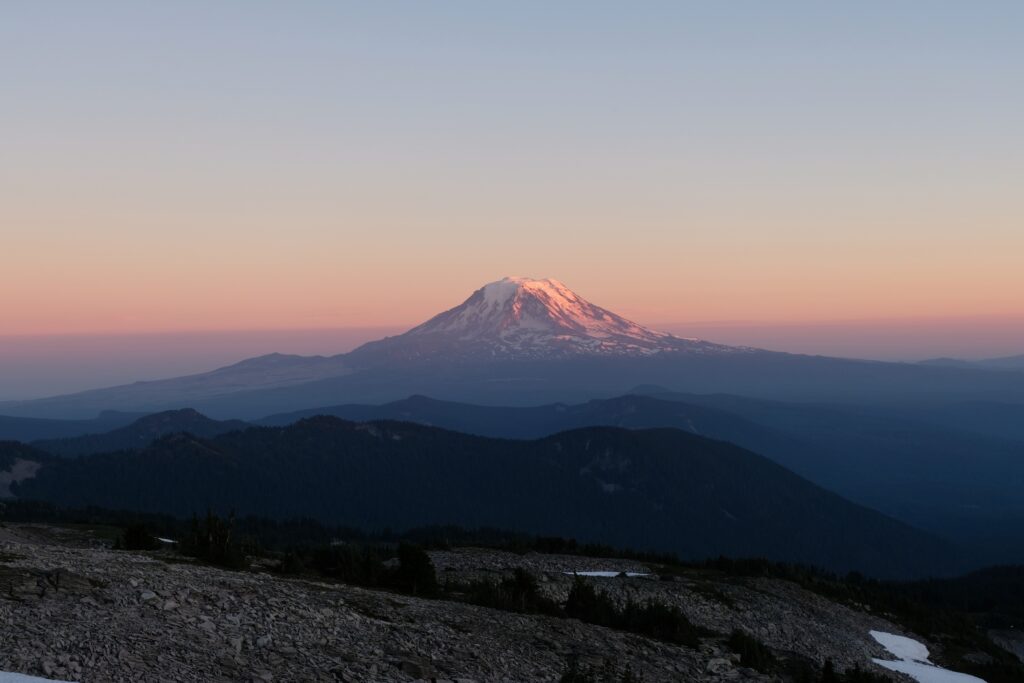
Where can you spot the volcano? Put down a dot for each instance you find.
(525, 318)
(524, 341)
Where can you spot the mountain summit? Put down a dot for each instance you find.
(519, 317)
(522, 310)
(521, 341)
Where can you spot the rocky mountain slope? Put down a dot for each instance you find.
(74, 609)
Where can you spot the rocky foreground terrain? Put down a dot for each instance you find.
(72, 609)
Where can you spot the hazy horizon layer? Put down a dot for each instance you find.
(35, 366)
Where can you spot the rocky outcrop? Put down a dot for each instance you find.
(1009, 640)
(780, 614)
(91, 614)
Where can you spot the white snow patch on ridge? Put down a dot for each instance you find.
(6, 677)
(913, 661)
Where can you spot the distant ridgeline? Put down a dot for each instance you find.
(659, 490)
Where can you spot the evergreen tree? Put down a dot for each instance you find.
(415, 571)
(136, 537)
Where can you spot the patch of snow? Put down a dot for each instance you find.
(913, 661)
(165, 540)
(497, 293)
(6, 677)
(607, 575)
(901, 646)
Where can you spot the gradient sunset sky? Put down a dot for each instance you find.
(184, 166)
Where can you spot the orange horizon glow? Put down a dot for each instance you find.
(151, 298)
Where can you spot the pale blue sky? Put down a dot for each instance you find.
(173, 166)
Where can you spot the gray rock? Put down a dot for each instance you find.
(88, 621)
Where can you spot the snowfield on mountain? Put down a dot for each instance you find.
(913, 661)
(524, 317)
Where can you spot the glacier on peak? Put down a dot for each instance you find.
(532, 318)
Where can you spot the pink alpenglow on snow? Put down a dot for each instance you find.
(525, 317)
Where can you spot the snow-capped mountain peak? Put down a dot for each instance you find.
(520, 317)
(514, 306)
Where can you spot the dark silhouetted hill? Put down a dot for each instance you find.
(141, 433)
(658, 489)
